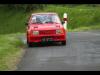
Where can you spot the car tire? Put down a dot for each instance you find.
(29, 44)
(63, 42)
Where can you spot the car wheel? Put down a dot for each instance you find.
(63, 42)
(29, 44)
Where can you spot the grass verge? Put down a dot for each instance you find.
(11, 50)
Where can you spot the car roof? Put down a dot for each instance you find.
(44, 13)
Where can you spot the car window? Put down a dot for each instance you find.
(45, 18)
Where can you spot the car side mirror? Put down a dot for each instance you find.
(62, 22)
(26, 23)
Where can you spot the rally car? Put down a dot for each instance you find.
(45, 27)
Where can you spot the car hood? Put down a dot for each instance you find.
(45, 26)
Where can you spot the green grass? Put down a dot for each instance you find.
(12, 21)
(10, 51)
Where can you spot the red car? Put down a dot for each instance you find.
(45, 27)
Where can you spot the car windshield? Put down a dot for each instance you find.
(45, 18)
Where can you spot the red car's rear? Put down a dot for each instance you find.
(45, 27)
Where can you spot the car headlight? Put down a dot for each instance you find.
(59, 31)
(35, 32)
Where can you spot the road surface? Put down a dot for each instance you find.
(82, 53)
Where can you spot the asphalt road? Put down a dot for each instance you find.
(82, 53)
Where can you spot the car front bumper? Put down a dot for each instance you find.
(46, 38)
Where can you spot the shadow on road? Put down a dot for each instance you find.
(45, 44)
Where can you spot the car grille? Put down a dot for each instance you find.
(46, 32)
